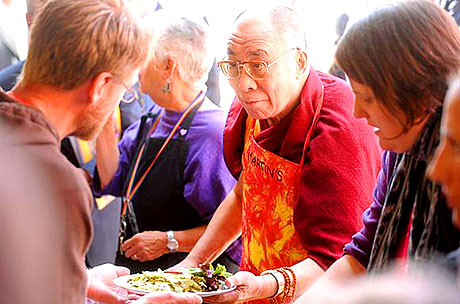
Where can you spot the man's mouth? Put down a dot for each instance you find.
(253, 101)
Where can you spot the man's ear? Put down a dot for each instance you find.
(302, 64)
(99, 86)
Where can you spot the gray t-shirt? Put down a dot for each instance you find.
(45, 220)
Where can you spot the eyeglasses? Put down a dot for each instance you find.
(257, 69)
(131, 93)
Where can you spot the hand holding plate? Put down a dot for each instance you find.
(100, 284)
(168, 298)
(248, 287)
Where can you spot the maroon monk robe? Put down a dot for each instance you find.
(340, 167)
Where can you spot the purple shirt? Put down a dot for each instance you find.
(207, 179)
(361, 245)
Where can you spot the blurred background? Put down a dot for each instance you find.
(320, 17)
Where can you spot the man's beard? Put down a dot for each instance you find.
(91, 124)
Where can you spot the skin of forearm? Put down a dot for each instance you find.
(344, 268)
(222, 230)
(107, 155)
(188, 238)
(307, 272)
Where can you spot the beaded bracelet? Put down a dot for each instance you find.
(290, 285)
(280, 297)
(293, 287)
(287, 285)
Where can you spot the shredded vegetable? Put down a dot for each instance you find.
(201, 279)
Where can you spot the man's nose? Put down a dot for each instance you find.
(245, 82)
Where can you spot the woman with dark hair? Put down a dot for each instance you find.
(398, 60)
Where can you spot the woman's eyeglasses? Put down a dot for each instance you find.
(131, 93)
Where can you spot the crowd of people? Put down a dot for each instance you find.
(308, 182)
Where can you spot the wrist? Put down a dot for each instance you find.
(269, 286)
(273, 283)
(192, 261)
(172, 243)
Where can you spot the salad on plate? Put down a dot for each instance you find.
(205, 280)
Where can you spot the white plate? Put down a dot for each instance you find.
(123, 283)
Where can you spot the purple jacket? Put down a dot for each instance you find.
(207, 178)
(361, 245)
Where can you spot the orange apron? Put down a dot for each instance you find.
(270, 193)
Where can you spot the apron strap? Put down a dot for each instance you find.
(131, 189)
(142, 137)
(313, 126)
(254, 126)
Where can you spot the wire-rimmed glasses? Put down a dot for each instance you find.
(131, 93)
(257, 69)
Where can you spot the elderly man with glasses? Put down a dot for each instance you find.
(305, 166)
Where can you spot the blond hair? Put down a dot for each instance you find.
(73, 41)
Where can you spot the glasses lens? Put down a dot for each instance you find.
(257, 70)
(230, 69)
(128, 97)
(130, 94)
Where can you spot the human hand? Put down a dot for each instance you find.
(248, 287)
(111, 127)
(187, 262)
(100, 284)
(146, 246)
(167, 298)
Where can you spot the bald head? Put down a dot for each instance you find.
(282, 20)
(276, 38)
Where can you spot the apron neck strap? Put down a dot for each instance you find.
(312, 129)
(253, 126)
(132, 188)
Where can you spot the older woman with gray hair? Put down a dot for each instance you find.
(169, 166)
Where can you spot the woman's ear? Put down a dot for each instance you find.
(168, 68)
(302, 64)
(99, 86)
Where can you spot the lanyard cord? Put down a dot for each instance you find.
(131, 190)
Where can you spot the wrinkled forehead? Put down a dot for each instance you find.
(253, 36)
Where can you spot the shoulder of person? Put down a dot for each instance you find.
(336, 88)
(338, 106)
(208, 105)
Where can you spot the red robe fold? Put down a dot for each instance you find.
(340, 166)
